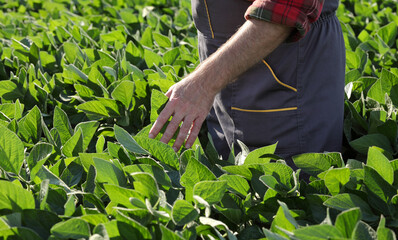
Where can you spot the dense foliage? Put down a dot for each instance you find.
(81, 82)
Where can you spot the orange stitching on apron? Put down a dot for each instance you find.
(281, 83)
(264, 111)
(208, 17)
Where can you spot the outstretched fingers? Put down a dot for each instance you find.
(163, 117)
(197, 124)
(183, 134)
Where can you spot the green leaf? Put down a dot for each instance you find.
(183, 212)
(336, 178)
(171, 56)
(87, 158)
(40, 221)
(74, 75)
(114, 36)
(94, 107)
(167, 234)
(122, 195)
(73, 52)
(158, 173)
(163, 152)
(161, 40)
(388, 33)
(347, 221)
(158, 101)
(364, 232)
(30, 126)
(312, 163)
(283, 220)
(14, 197)
(108, 172)
(380, 192)
(124, 93)
(384, 85)
(347, 201)
(38, 156)
(88, 130)
(19, 233)
(318, 232)
(146, 185)
(363, 143)
(211, 191)
(381, 164)
(236, 184)
(11, 151)
(151, 58)
(62, 124)
(124, 138)
(259, 155)
(74, 145)
(73, 228)
(9, 90)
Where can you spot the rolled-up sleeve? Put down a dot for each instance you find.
(298, 14)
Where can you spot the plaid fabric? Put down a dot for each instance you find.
(293, 13)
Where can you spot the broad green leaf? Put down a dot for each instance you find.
(243, 171)
(30, 126)
(62, 124)
(158, 173)
(384, 85)
(94, 107)
(11, 151)
(122, 195)
(195, 172)
(114, 36)
(347, 201)
(124, 138)
(37, 157)
(273, 236)
(347, 221)
(108, 172)
(152, 58)
(158, 101)
(43, 173)
(73, 228)
(236, 184)
(363, 143)
(312, 163)
(88, 130)
(281, 221)
(163, 152)
(73, 52)
(9, 90)
(211, 191)
(380, 192)
(161, 40)
(87, 158)
(381, 164)
(124, 93)
(259, 155)
(317, 232)
(171, 56)
(183, 212)
(167, 234)
(74, 75)
(146, 185)
(40, 221)
(14, 197)
(74, 145)
(388, 33)
(364, 232)
(99, 146)
(336, 178)
(19, 233)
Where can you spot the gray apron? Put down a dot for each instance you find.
(294, 97)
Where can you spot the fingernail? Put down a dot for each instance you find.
(151, 135)
(175, 149)
(187, 146)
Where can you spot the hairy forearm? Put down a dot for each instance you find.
(253, 42)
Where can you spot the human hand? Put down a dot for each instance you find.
(189, 103)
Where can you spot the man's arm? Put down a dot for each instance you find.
(190, 100)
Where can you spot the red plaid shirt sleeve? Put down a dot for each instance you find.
(293, 13)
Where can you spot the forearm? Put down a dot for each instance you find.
(253, 42)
